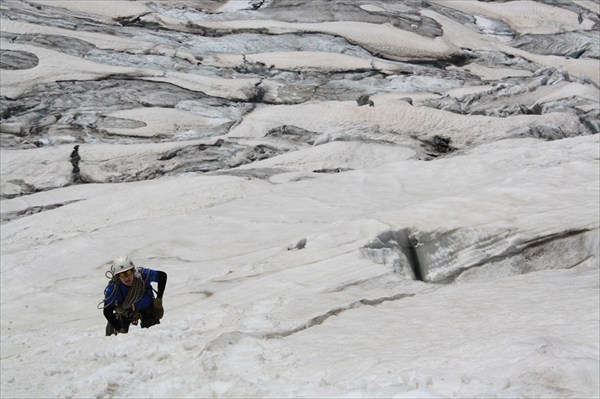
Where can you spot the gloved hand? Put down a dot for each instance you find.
(158, 308)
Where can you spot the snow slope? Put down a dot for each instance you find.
(443, 241)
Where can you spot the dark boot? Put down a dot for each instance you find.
(149, 322)
(110, 330)
(149, 318)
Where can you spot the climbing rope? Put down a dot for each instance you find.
(136, 291)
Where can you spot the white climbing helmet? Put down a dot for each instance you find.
(121, 264)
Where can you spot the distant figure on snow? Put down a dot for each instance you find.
(129, 296)
(75, 158)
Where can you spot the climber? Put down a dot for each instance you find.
(129, 296)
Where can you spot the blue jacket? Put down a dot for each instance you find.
(117, 298)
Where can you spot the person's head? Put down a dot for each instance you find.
(123, 268)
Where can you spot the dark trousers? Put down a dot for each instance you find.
(148, 317)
